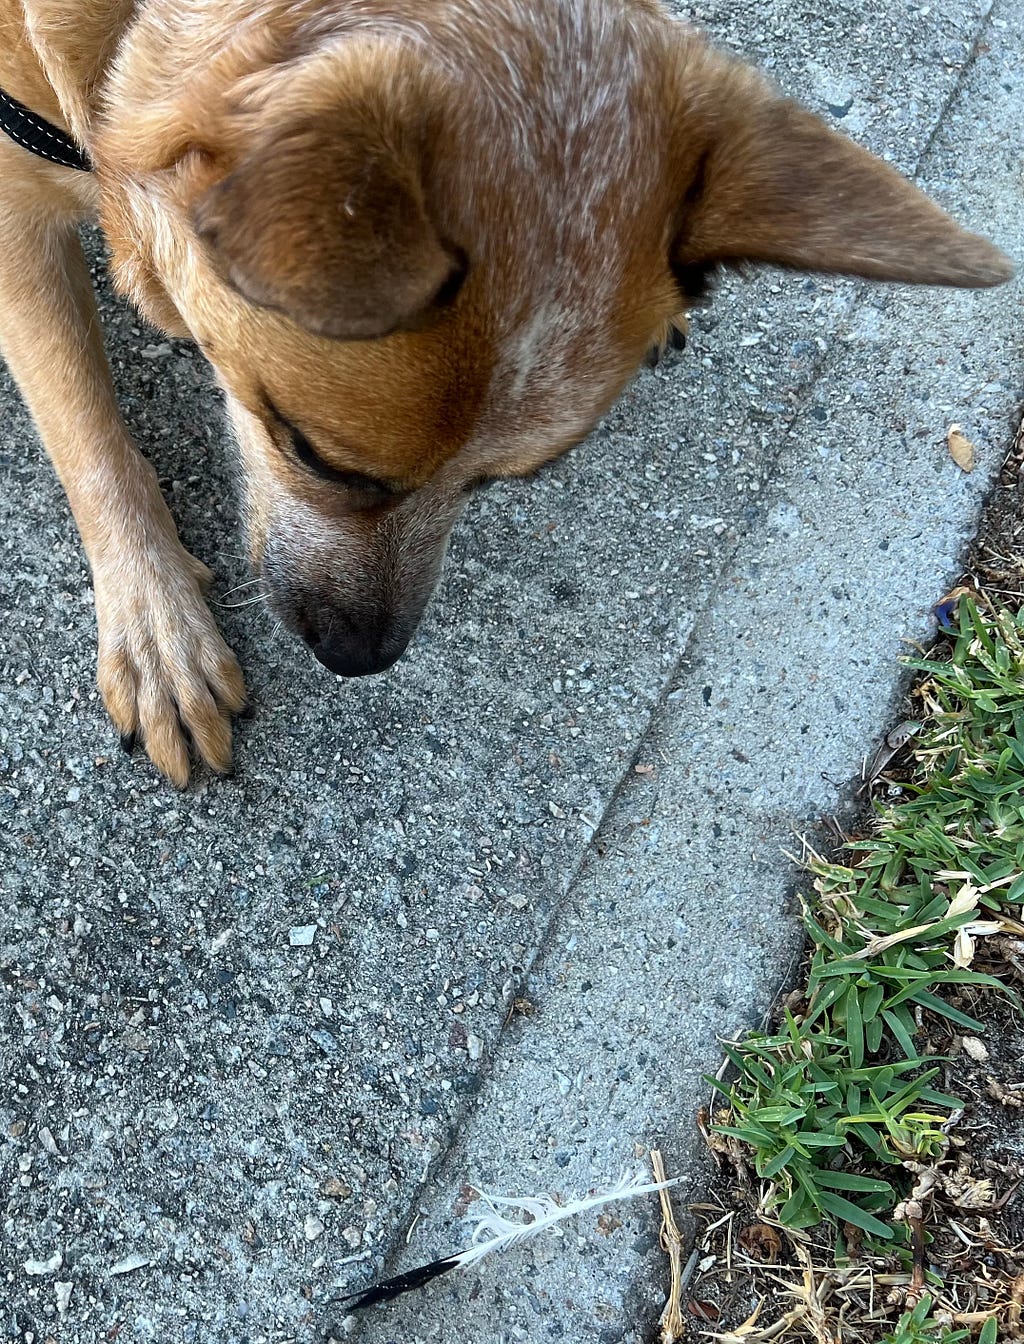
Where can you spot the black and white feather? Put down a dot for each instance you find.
(496, 1230)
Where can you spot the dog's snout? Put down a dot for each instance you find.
(355, 653)
(358, 602)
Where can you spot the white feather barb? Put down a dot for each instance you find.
(496, 1232)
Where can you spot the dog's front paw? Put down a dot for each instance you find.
(166, 676)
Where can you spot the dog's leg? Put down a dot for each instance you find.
(164, 671)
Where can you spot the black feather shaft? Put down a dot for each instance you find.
(401, 1283)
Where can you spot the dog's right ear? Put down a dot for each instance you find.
(768, 181)
(326, 218)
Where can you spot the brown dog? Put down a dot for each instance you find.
(422, 242)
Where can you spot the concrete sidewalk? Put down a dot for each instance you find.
(214, 1128)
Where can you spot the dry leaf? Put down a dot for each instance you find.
(966, 1192)
(876, 946)
(761, 1242)
(704, 1311)
(965, 899)
(902, 733)
(961, 449)
(963, 949)
(1004, 1095)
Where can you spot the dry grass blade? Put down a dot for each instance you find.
(671, 1323)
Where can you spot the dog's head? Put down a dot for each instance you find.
(425, 246)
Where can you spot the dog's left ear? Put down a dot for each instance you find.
(770, 182)
(326, 217)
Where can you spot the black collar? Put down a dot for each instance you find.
(40, 136)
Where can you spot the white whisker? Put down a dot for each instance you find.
(247, 583)
(235, 606)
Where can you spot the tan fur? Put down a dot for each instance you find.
(426, 242)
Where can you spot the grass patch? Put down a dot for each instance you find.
(840, 1111)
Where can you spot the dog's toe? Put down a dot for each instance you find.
(671, 337)
(226, 684)
(677, 329)
(209, 726)
(165, 739)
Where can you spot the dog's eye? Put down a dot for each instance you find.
(351, 480)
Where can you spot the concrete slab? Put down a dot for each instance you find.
(680, 927)
(213, 1120)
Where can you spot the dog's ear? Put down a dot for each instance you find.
(325, 218)
(772, 183)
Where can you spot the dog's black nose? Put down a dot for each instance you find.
(355, 656)
(351, 642)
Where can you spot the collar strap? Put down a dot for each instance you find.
(35, 133)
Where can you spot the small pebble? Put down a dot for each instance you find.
(36, 1267)
(130, 1263)
(302, 935)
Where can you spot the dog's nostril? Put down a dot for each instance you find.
(308, 632)
(312, 625)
